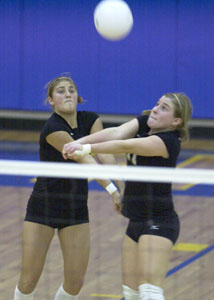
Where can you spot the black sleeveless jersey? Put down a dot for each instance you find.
(142, 200)
(57, 191)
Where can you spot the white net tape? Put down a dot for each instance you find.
(68, 170)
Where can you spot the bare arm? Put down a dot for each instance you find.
(148, 146)
(124, 131)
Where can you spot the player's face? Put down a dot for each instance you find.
(64, 98)
(162, 117)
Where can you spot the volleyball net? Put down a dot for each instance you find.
(127, 173)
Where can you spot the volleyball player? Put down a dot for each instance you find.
(149, 140)
(61, 203)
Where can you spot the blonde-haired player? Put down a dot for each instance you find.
(148, 140)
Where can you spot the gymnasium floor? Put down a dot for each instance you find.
(191, 270)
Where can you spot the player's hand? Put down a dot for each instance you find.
(69, 148)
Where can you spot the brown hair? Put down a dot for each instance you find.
(182, 109)
(52, 84)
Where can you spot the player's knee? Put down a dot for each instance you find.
(150, 292)
(130, 294)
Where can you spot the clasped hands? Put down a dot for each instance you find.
(74, 150)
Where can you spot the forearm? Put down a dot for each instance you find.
(109, 159)
(101, 136)
(148, 146)
(106, 159)
(111, 147)
(88, 159)
(122, 132)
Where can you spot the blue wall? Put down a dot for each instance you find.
(171, 48)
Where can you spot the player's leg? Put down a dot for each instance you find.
(154, 253)
(35, 244)
(129, 269)
(75, 244)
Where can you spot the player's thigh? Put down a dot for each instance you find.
(153, 256)
(129, 263)
(35, 243)
(75, 244)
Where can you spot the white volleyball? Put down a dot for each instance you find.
(113, 19)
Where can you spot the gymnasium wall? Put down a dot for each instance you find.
(171, 48)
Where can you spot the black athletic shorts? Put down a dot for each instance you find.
(167, 226)
(56, 217)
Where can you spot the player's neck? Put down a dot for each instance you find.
(71, 119)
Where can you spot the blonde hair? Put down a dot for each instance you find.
(182, 109)
(50, 86)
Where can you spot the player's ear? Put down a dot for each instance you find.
(50, 100)
(177, 121)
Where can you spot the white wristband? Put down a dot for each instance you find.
(86, 149)
(111, 188)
